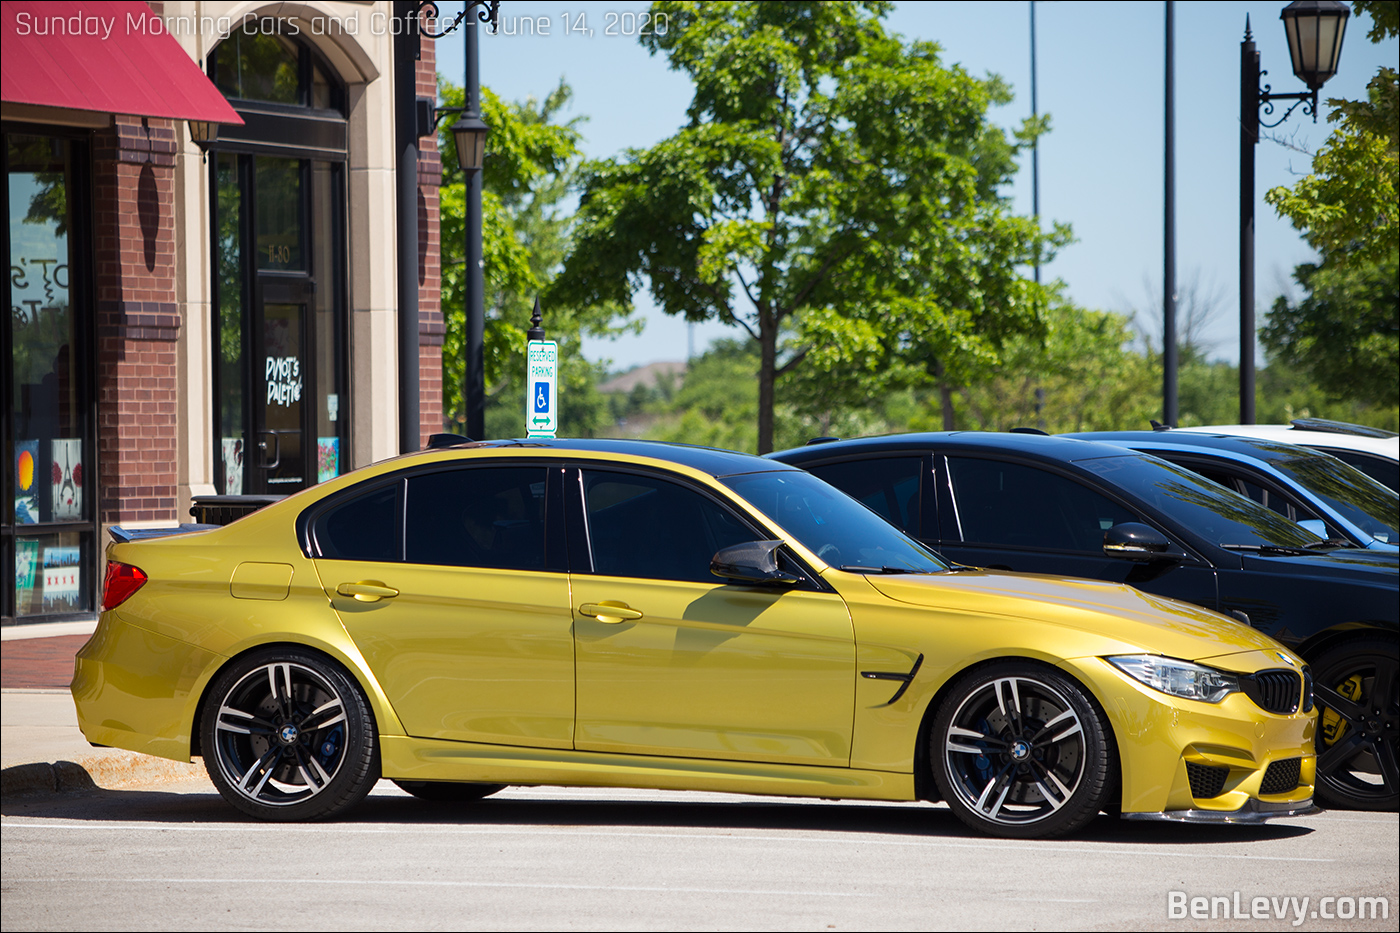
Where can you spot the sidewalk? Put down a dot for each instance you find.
(41, 747)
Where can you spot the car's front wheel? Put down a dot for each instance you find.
(1021, 751)
(288, 735)
(1358, 695)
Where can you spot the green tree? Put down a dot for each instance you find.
(833, 195)
(530, 162)
(1086, 372)
(1345, 333)
(1348, 205)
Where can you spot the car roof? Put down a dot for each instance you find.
(711, 460)
(1253, 447)
(1032, 446)
(1289, 434)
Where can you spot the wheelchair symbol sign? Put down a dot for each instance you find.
(541, 388)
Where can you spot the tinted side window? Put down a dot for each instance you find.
(642, 526)
(1012, 505)
(1269, 498)
(483, 517)
(889, 487)
(362, 528)
(1386, 472)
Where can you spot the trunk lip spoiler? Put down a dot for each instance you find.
(127, 535)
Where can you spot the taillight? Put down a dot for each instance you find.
(122, 580)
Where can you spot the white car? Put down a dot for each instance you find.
(1373, 451)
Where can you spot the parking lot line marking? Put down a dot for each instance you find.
(272, 882)
(439, 831)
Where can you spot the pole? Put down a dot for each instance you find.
(474, 389)
(1249, 137)
(1035, 149)
(406, 52)
(1170, 359)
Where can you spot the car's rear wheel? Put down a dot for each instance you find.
(1021, 751)
(288, 735)
(1358, 697)
(449, 791)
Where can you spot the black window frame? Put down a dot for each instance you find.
(309, 134)
(579, 536)
(1179, 549)
(556, 550)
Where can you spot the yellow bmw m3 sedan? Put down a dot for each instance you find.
(636, 614)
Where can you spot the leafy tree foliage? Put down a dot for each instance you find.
(834, 195)
(1346, 332)
(529, 165)
(1348, 205)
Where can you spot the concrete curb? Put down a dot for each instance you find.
(110, 772)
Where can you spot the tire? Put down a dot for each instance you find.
(449, 791)
(1021, 751)
(288, 735)
(1355, 685)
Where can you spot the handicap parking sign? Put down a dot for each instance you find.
(541, 387)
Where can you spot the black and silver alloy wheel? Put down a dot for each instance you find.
(1021, 752)
(1357, 687)
(288, 736)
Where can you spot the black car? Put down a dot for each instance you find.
(1028, 502)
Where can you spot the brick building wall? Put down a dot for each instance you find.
(138, 319)
(431, 326)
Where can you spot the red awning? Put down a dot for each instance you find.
(108, 57)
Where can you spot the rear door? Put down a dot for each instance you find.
(451, 587)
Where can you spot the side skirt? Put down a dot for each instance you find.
(411, 759)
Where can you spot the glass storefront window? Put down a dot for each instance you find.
(232, 374)
(48, 490)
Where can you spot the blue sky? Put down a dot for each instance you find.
(1100, 78)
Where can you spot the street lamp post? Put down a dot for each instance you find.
(469, 134)
(1315, 29)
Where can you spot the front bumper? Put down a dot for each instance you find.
(1236, 746)
(1253, 812)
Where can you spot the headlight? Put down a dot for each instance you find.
(1178, 678)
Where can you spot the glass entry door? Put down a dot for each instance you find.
(280, 315)
(281, 412)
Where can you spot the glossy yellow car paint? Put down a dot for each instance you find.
(502, 676)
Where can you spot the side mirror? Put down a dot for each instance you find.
(1135, 541)
(752, 562)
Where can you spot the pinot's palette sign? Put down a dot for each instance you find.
(283, 376)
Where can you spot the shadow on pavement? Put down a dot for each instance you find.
(913, 820)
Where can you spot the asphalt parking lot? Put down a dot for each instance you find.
(129, 842)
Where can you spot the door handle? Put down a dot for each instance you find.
(610, 611)
(367, 592)
(277, 450)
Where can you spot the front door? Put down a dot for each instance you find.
(672, 660)
(279, 314)
(281, 408)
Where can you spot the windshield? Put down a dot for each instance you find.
(832, 525)
(1220, 515)
(1355, 496)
